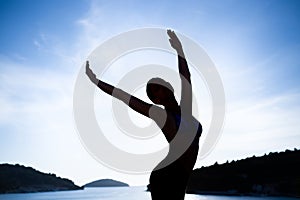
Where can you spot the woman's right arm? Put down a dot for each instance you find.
(146, 109)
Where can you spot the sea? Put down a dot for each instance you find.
(119, 193)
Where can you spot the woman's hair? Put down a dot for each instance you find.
(154, 82)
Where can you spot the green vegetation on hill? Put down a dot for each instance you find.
(276, 174)
(21, 179)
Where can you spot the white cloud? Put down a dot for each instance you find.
(37, 44)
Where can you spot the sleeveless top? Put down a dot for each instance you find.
(189, 157)
(181, 121)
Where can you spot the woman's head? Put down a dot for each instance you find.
(160, 91)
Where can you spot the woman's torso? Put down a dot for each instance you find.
(187, 126)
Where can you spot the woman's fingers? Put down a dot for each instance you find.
(172, 34)
(88, 71)
(87, 67)
(174, 41)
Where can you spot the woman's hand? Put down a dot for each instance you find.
(90, 73)
(174, 41)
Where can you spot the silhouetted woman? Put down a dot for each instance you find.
(167, 180)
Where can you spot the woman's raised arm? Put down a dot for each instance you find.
(185, 75)
(133, 102)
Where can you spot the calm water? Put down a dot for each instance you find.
(116, 193)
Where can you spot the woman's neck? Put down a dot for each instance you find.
(172, 106)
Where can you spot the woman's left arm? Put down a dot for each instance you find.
(185, 75)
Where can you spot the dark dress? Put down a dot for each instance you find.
(169, 183)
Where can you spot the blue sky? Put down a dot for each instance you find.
(254, 44)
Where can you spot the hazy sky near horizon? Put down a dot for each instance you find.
(254, 44)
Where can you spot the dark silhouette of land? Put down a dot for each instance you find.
(21, 179)
(106, 183)
(276, 174)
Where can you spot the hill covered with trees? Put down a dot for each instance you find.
(21, 179)
(276, 174)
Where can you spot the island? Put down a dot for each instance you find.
(21, 179)
(106, 183)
